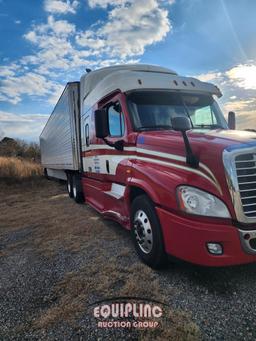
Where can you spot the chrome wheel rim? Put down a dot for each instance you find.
(143, 231)
(69, 187)
(74, 191)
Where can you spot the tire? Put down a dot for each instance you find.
(146, 232)
(46, 174)
(70, 185)
(77, 189)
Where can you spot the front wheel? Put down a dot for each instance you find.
(147, 233)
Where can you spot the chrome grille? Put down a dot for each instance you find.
(246, 177)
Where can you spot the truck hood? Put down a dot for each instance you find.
(225, 137)
(207, 145)
(201, 140)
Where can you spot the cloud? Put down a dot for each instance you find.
(243, 76)
(26, 126)
(114, 3)
(238, 85)
(58, 28)
(106, 3)
(17, 22)
(240, 105)
(209, 76)
(245, 110)
(56, 49)
(130, 28)
(53, 44)
(31, 84)
(9, 70)
(61, 52)
(90, 39)
(60, 6)
(168, 2)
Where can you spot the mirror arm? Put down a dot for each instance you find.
(118, 145)
(191, 159)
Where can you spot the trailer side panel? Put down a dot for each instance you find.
(59, 141)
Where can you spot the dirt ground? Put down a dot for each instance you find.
(58, 258)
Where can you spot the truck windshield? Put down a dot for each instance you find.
(152, 110)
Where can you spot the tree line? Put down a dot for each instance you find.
(19, 148)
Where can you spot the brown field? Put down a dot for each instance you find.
(13, 169)
(58, 257)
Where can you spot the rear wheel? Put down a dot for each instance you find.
(70, 185)
(147, 233)
(77, 189)
(46, 174)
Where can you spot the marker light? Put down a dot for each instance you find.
(195, 201)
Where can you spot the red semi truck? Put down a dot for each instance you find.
(151, 150)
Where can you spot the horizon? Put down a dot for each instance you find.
(46, 44)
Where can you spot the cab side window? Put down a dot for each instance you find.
(116, 120)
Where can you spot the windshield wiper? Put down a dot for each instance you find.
(208, 126)
(158, 127)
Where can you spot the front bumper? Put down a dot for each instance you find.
(186, 239)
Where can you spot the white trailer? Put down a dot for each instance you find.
(60, 138)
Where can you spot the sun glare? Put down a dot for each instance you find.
(244, 76)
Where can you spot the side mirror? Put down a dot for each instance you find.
(101, 123)
(181, 123)
(102, 129)
(232, 120)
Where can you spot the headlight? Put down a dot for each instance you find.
(196, 201)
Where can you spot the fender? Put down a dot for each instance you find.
(143, 185)
(159, 182)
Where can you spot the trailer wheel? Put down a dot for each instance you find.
(146, 232)
(77, 189)
(70, 185)
(46, 174)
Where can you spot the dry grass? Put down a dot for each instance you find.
(55, 221)
(102, 279)
(57, 224)
(14, 169)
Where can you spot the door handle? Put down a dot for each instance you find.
(107, 165)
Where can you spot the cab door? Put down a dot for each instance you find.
(93, 176)
(116, 162)
(103, 164)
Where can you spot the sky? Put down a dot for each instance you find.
(45, 43)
